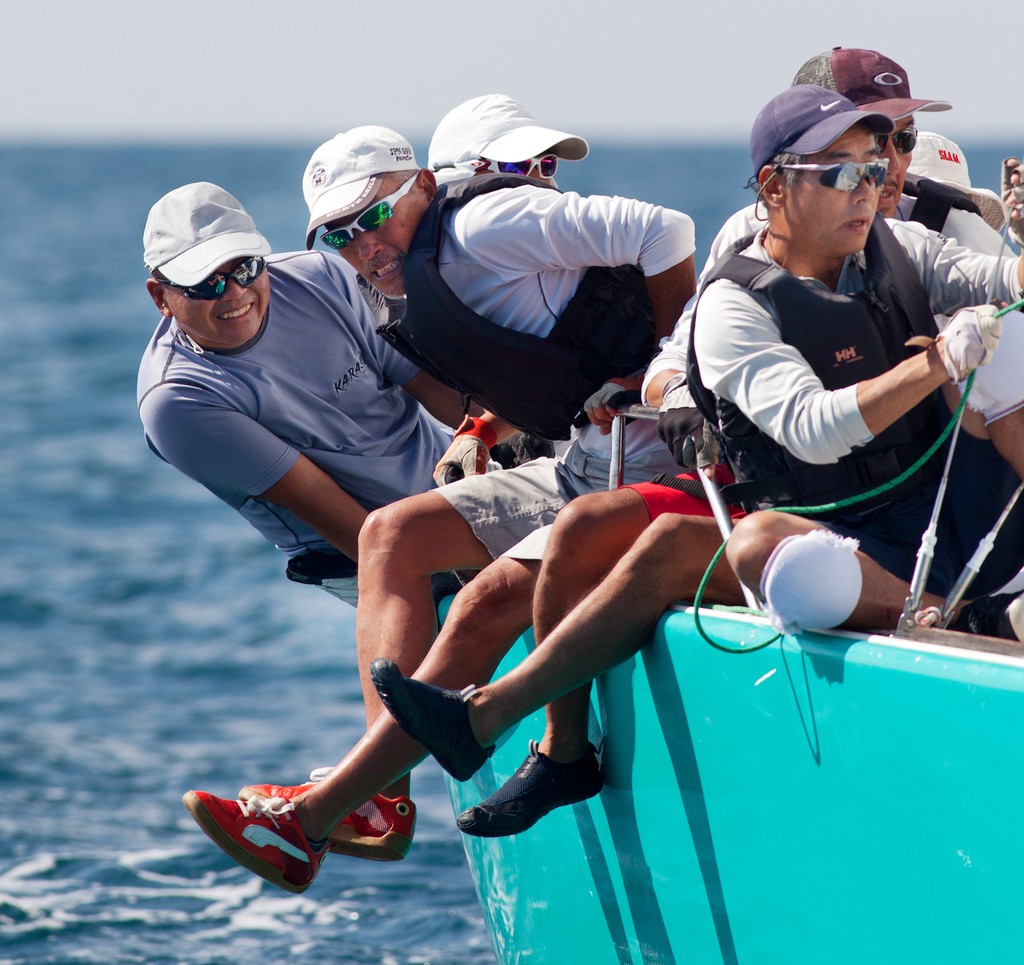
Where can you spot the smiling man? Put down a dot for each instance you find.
(266, 383)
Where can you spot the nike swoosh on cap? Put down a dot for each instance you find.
(828, 107)
(264, 837)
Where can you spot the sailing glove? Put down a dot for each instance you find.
(469, 452)
(601, 407)
(683, 429)
(969, 340)
(1011, 182)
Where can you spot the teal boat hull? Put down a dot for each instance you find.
(833, 797)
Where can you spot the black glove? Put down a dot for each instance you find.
(682, 429)
(681, 425)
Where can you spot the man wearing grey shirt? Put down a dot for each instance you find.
(266, 383)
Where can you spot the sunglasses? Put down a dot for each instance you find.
(371, 219)
(904, 141)
(848, 175)
(213, 287)
(547, 166)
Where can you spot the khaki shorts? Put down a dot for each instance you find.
(505, 506)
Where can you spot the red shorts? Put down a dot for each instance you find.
(660, 499)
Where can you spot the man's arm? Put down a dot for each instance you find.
(310, 494)
(441, 401)
(883, 399)
(669, 292)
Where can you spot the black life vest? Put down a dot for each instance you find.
(845, 338)
(537, 384)
(934, 202)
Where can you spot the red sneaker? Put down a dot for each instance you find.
(379, 830)
(260, 834)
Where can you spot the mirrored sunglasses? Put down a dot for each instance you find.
(547, 166)
(848, 175)
(904, 141)
(369, 220)
(213, 287)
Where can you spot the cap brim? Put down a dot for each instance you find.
(533, 141)
(899, 107)
(828, 130)
(338, 202)
(204, 259)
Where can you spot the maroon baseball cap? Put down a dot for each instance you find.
(869, 79)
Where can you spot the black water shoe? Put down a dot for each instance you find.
(539, 786)
(437, 718)
(1000, 615)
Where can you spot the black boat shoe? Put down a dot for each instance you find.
(539, 786)
(1000, 615)
(437, 718)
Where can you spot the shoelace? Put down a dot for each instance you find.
(267, 807)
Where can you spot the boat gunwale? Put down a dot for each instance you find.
(927, 639)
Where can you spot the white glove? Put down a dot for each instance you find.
(600, 398)
(969, 340)
(596, 407)
(466, 456)
(1011, 181)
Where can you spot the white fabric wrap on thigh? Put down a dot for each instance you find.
(998, 388)
(811, 581)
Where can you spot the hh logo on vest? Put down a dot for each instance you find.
(849, 354)
(949, 156)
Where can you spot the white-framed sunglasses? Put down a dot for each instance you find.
(369, 220)
(847, 175)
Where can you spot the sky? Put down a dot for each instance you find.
(298, 72)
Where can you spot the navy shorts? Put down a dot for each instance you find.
(980, 484)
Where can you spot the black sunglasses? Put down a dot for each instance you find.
(213, 287)
(904, 141)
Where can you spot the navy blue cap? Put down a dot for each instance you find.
(807, 119)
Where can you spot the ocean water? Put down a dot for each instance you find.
(149, 642)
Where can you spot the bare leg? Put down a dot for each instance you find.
(400, 546)
(589, 537)
(486, 618)
(882, 594)
(611, 623)
(1007, 436)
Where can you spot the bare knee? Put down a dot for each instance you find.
(598, 526)
(754, 538)
(422, 534)
(504, 587)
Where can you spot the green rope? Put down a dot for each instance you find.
(696, 611)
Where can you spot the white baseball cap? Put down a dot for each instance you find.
(499, 128)
(940, 159)
(345, 172)
(194, 229)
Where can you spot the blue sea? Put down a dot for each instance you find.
(150, 642)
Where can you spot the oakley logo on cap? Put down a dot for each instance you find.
(319, 177)
(889, 79)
